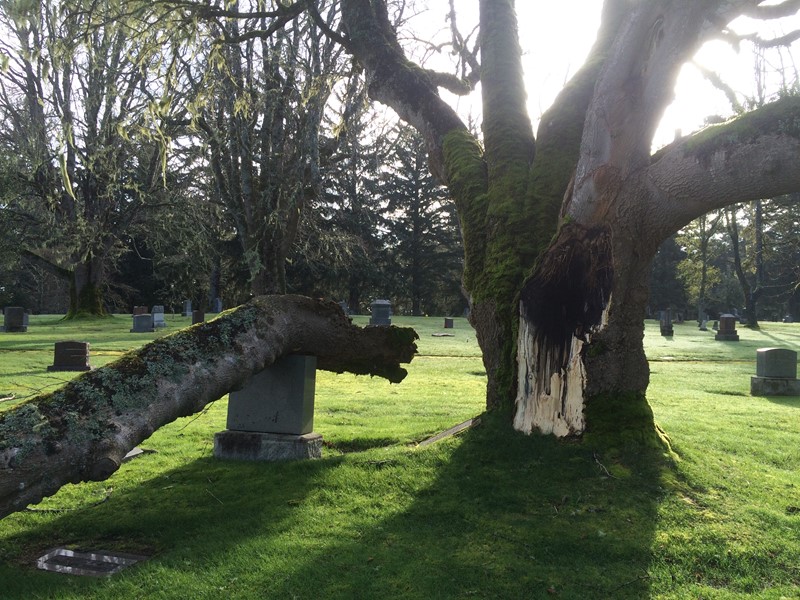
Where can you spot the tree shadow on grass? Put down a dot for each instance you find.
(180, 518)
(492, 514)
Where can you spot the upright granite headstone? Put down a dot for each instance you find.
(345, 307)
(187, 308)
(665, 321)
(15, 319)
(198, 316)
(727, 329)
(448, 323)
(381, 312)
(143, 324)
(272, 417)
(70, 356)
(216, 305)
(776, 373)
(158, 316)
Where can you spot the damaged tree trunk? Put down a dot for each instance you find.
(82, 431)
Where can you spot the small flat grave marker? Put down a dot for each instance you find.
(92, 564)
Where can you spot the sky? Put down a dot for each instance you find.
(557, 36)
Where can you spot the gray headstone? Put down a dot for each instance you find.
(70, 356)
(345, 307)
(198, 316)
(381, 312)
(142, 324)
(279, 399)
(158, 316)
(216, 305)
(776, 362)
(665, 323)
(448, 323)
(187, 308)
(14, 319)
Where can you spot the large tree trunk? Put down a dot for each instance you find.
(82, 431)
(590, 178)
(86, 289)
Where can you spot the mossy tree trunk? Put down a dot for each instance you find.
(82, 431)
(560, 229)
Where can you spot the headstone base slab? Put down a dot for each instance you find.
(774, 386)
(63, 368)
(266, 447)
(727, 337)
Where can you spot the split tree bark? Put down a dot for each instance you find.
(82, 431)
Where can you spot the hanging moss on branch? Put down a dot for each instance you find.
(82, 431)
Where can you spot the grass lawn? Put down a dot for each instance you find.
(486, 514)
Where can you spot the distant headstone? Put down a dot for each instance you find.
(715, 326)
(703, 325)
(345, 307)
(140, 310)
(216, 305)
(272, 417)
(788, 319)
(198, 316)
(776, 373)
(448, 323)
(143, 324)
(70, 356)
(381, 312)
(15, 319)
(727, 329)
(158, 316)
(665, 322)
(187, 308)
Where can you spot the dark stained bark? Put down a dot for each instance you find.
(82, 431)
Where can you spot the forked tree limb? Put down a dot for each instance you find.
(82, 431)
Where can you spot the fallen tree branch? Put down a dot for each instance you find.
(82, 431)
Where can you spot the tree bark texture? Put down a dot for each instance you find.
(82, 431)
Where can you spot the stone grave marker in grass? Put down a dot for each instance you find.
(272, 417)
(187, 308)
(70, 356)
(727, 329)
(198, 316)
(776, 373)
(15, 320)
(143, 324)
(381, 312)
(158, 316)
(665, 322)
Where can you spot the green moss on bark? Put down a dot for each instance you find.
(622, 424)
(781, 117)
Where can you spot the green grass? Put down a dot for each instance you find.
(487, 514)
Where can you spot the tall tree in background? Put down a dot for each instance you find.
(259, 108)
(422, 226)
(88, 127)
